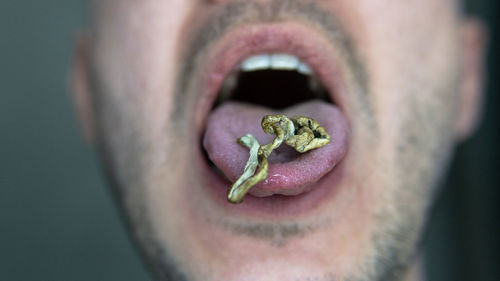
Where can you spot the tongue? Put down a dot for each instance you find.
(290, 172)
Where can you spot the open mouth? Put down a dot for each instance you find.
(275, 71)
(276, 81)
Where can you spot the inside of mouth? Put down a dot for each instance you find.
(276, 89)
(273, 89)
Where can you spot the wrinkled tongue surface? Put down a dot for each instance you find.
(290, 172)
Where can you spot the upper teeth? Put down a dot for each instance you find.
(275, 61)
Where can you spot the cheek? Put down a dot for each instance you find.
(412, 68)
(135, 54)
(400, 46)
(411, 61)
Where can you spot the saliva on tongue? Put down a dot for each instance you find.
(290, 172)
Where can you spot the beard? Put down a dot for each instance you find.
(407, 178)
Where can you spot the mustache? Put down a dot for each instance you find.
(241, 12)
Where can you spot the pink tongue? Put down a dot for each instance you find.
(290, 172)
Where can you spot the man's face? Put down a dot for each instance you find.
(387, 77)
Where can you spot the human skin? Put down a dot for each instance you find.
(410, 72)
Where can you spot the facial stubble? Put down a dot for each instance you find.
(395, 238)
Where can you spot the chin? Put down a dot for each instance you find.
(313, 218)
(351, 210)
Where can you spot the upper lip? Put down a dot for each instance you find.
(244, 41)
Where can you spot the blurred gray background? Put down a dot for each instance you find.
(58, 220)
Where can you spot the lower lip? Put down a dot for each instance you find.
(275, 205)
(287, 38)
